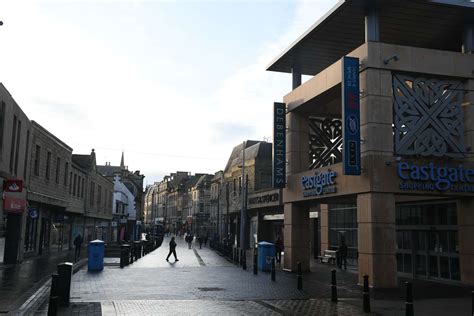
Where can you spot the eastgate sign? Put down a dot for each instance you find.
(320, 183)
(431, 178)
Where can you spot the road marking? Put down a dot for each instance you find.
(201, 262)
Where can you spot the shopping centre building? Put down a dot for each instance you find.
(394, 178)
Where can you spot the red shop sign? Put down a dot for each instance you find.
(14, 205)
(13, 186)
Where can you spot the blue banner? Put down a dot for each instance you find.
(279, 145)
(351, 115)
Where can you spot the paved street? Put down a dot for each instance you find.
(201, 282)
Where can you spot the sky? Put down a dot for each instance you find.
(174, 84)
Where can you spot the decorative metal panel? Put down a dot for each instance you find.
(428, 118)
(325, 141)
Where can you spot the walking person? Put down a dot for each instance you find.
(172, 250)
(78, 245)
(200, 239)
(278, 249)
(342, 252)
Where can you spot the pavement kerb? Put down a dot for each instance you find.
(31, 304)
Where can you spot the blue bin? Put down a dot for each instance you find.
(96, 255)
(266, 251)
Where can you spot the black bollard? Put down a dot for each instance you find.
(53, 306)
(244, 260)
(54, 285)
(409, 299)
(131, 254)
(255, 261)
(241, 257)
(333, 286)
(273, 269)
(366, 295)
(472, 294)
(64, 282)
(122, 258)
(299, 286)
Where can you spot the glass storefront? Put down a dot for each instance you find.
(427, 240)
(343, 225)
(31, 230)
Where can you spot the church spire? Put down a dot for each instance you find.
(122, 163)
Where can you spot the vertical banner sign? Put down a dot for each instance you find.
(351, 116)
(279, 145)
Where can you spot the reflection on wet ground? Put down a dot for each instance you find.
(18, 282)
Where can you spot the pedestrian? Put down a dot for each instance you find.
(342, 252)
(200, 241)
(78, 245)
(278, 249)
(206, 238)
(172, 250)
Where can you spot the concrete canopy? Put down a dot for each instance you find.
(419, 23)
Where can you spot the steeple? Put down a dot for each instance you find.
(122, 163)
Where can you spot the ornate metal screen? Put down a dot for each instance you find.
(325, 142)
(428, 118)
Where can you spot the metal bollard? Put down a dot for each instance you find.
(366, 295)
(273, 269)
(299, 285)
(255, 261)
(54, 285)
(472, 294)
(53, 306)
(409, 299)
(333, 286)
(64, 282)
(122, 258)
(131, 255)
(244, 260)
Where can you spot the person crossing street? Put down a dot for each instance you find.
(172, 250)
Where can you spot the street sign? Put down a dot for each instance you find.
(350, 116)
(13, 185)
(33, 212)
(279, 145)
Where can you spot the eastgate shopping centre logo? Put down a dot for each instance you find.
(320, 183)
(432, 178)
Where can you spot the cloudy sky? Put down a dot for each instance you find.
(175, 84)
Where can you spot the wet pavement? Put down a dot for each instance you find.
(19, 282)
(204, 283)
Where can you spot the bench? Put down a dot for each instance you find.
(328, 257)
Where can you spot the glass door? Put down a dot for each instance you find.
(443, 256)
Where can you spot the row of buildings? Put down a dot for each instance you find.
(50, 195)
(210, 204)
(377, 144)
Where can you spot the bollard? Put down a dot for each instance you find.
(299, 285)
(131, 254)
(472, 294)
(255, 261)
(64, 282)
(273, 269)
(366, 295)
(409, 299)
(333, 286)
(122, 258)
(241, 257)
(54, 285)
(244, 260)
(53, 306)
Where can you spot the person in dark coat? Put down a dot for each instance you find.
(278, 249)
(172, 250)
(342, 252)
(78, 245)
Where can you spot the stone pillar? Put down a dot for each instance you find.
(324, 218)
(297, 238)
(296, 74)
(465, 209)
(376, 239)
(372, 28)
(297, 143)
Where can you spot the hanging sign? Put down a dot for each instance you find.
(351, 116)
(13, 205)
(13, 186)
(279, 145)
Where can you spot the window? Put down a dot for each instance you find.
(66, 172)
(48, 165)
(82, 188)
(99, 194)
(74, 192)
(12, 148)
(78, 186)
(2, 123)
(17, 150)
(37, 159)
(58, 169)
(92, 193)
(26, 153)
(70, 183)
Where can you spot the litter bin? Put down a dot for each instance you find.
(266, 251)
(96, 255)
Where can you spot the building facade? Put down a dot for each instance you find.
(409, 212)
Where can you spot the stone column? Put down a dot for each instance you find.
(297, 237)
(324, 218)
(466, 236)
(297, 143)
(376, 239)
(296, 76)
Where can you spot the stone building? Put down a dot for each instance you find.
(15, 134)
(201, 206)
(217, 206)
(407, 211)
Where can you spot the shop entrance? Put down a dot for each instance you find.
(427, 241)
